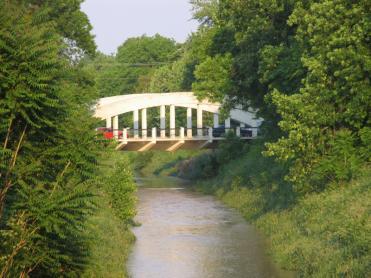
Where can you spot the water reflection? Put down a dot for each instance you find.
(184, 234)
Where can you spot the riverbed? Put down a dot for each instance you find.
(184, 234)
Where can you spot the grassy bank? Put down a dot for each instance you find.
(109, 229)
(322, 234)
(159, 162)
(111, 243)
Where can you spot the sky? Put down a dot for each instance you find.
(116, 20)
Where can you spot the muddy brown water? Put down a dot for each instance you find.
(188, 235)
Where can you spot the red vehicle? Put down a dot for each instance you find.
(108, 132)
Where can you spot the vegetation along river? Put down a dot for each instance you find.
(186, 234)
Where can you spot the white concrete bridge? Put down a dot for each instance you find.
(171, 138)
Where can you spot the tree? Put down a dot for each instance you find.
(328, 119)
(213, 78)
(138, 57)
(131, 69)
(70, 22)
(48, 154)
(265, 55)
(170, 78)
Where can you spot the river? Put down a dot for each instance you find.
(188, 235)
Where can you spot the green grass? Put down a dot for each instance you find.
(325, 234)
(111, 243)
(160, 163)
(162, 182)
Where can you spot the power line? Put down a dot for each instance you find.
(133, 64)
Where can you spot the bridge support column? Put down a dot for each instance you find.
(189, 122)
(172, 121)
(109, 122)
(227, 124)
(216, 120)
(144, 123)
(182, 134)
(254, 132)
(154, 135)
(116, 127)
(136, 123)
(199, 120)
(124, 135)
(163, 120)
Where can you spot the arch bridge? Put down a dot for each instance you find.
(172, 138)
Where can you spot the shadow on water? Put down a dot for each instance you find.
(184, 234)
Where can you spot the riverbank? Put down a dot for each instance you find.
(111, 243)
(109, 229)
(322, 234)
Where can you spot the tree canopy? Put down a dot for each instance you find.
(48, 148)
(131, 69)
(70, 22)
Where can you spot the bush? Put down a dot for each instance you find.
(142, 159)
(120, 186)
(202, 166)
(230, 149)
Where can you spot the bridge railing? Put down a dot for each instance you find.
(200, 132)
(129, 133)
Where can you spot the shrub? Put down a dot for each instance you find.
(120, 186)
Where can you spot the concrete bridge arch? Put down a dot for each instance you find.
(111, 107)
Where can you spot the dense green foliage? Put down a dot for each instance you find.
(120, 187)
(130, 70)
(49, 154)
(328, 121)
(70, 22)
(43, 185)
(159, 163)
(305, 66)
(109, 228)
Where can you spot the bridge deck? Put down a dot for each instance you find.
(171, 143)
(177, 138)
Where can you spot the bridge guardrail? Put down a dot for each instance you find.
(200, 131)
(130, 133)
